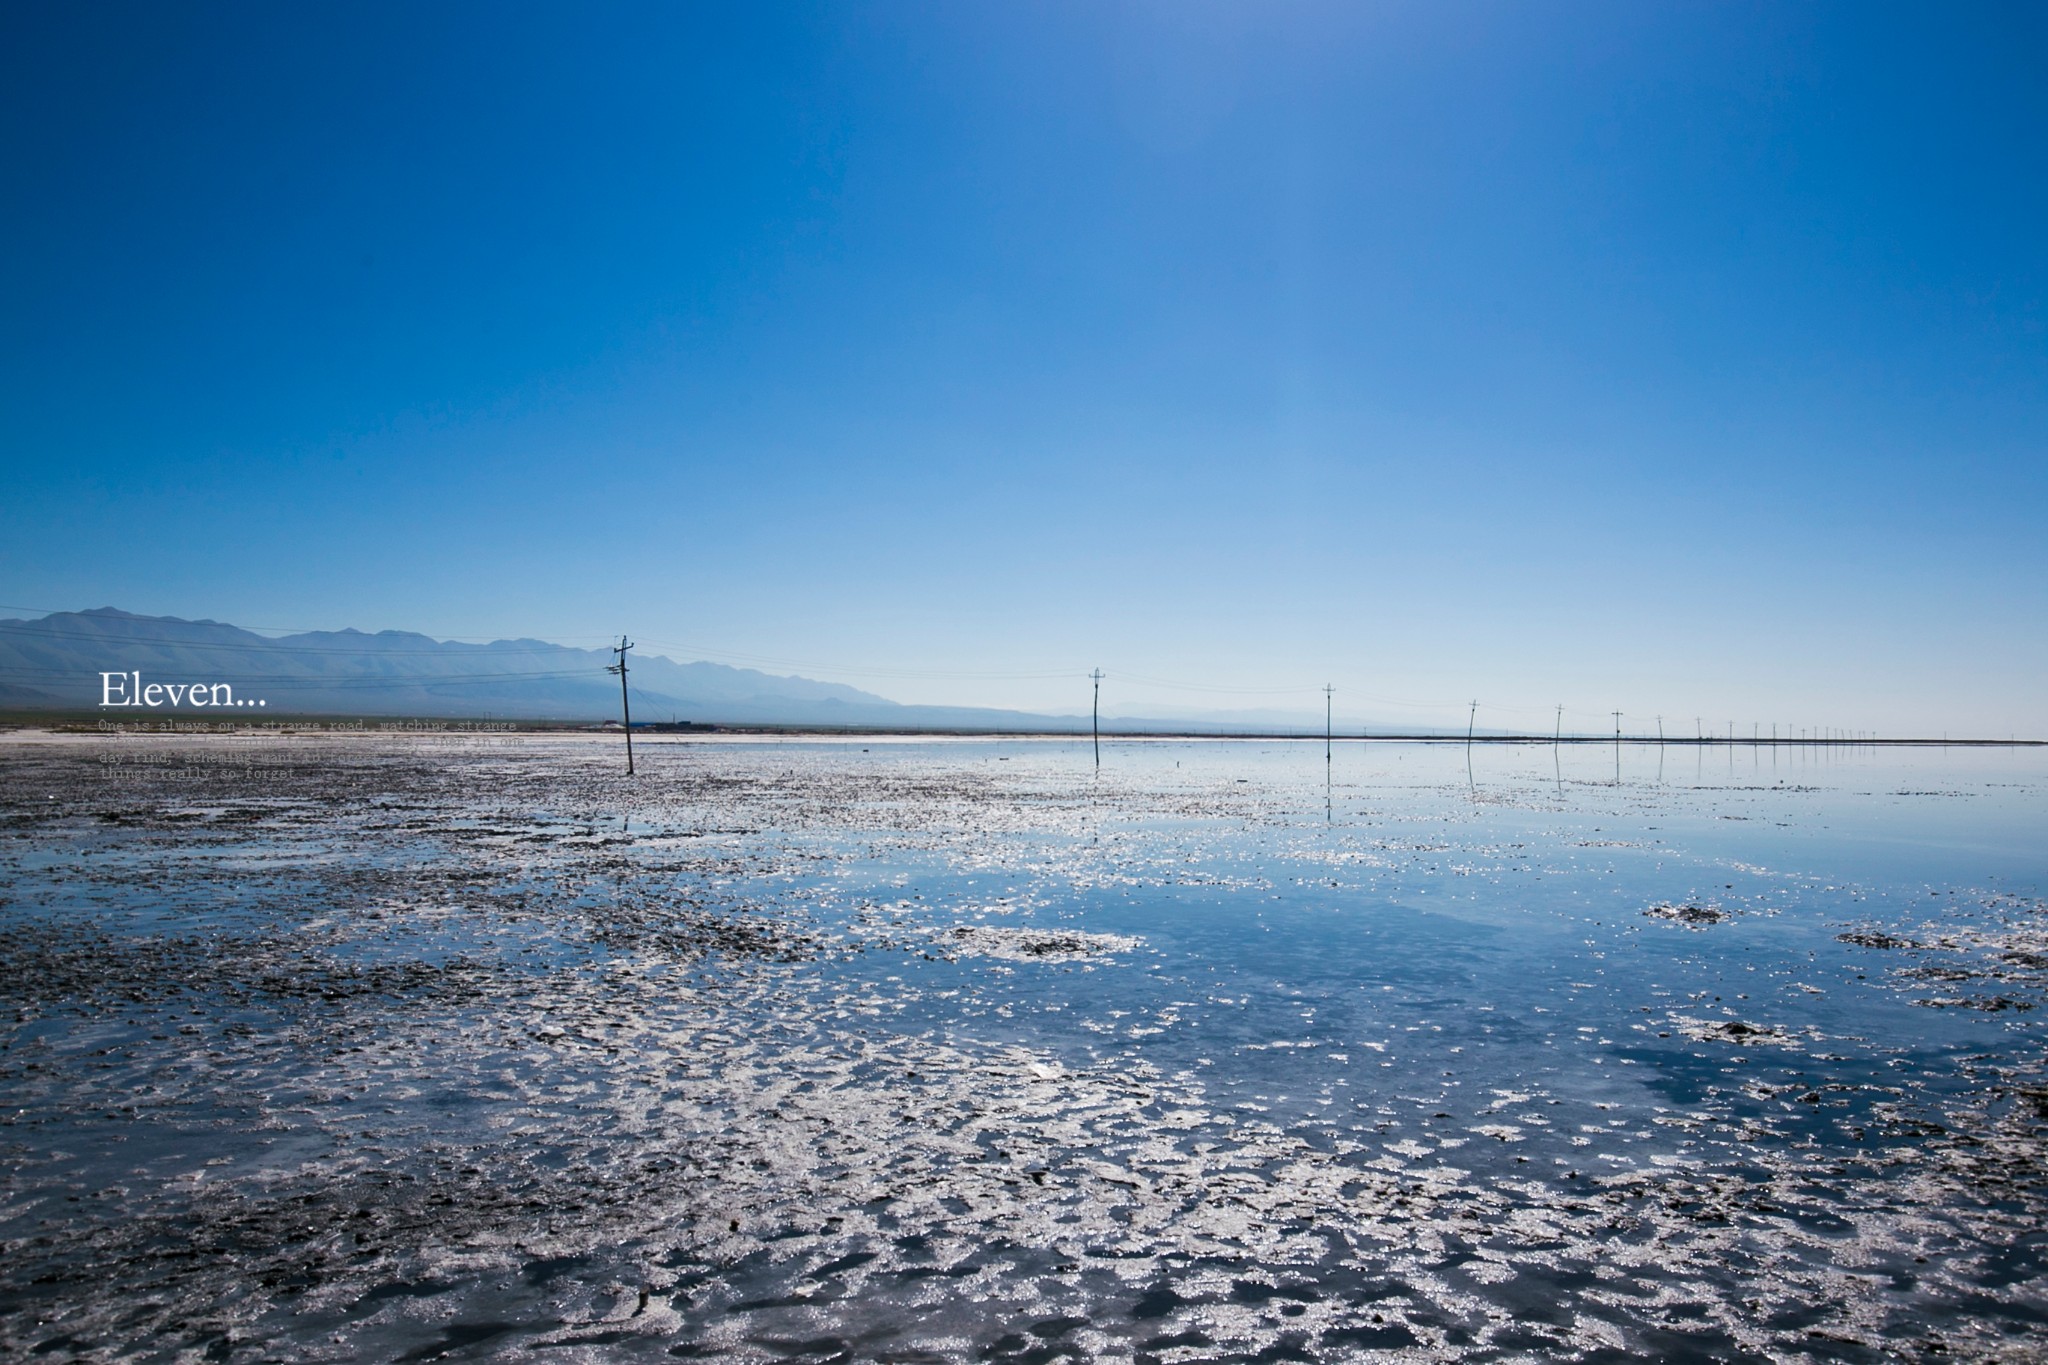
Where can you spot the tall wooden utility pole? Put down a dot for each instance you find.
(1617, 727)
(1471, 717)
(1558, 735)
(625, 707)
(1095, 717)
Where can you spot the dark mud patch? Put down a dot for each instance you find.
(972, 940)
(1873, 938)
(1739, 1032)
(1995, 1004)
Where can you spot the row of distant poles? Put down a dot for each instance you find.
(1329, 719)
(1830, 736)
(1816, 736)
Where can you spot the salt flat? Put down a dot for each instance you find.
(371, 1047)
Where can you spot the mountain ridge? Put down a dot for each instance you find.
(56, 662)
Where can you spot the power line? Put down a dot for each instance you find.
(852, 670)
(429, 650)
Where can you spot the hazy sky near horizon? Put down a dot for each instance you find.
(1682, 359)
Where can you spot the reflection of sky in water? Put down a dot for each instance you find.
(1196, 1057)
(1423, 942)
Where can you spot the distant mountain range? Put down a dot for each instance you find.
(57, 663)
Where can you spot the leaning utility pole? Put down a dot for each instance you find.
(1095, 717)
(1557, 737)
(625, 707)
(1470, 719)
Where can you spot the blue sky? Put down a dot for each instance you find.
(1685, 359)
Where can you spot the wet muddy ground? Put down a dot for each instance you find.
(324, 1047)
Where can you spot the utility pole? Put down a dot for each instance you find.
(1617, 727)
(1469, 720)
(1660, 729)
(1328, 714)
(625, 707)
(1558, 734)
(1095, 717)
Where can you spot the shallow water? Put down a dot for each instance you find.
(347, 1047)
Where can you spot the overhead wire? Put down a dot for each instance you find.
(503, 648)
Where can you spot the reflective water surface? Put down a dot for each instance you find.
(327, 1047)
